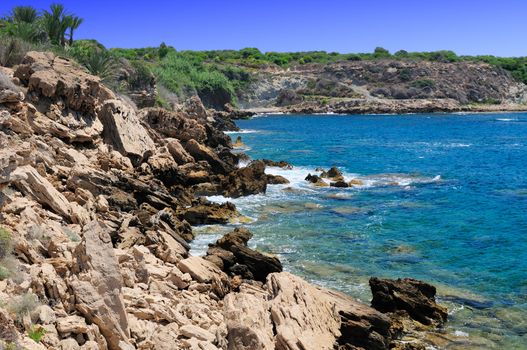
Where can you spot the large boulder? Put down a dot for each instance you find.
(415, 297)
(123, 130)
(254, 264)
(246, 181)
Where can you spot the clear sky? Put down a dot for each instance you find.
(497, 27)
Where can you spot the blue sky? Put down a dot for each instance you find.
(465, 26)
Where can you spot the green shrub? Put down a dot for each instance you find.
(36, 333)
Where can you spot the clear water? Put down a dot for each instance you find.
(444, 199)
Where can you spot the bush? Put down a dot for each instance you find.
(6, 243)
(36, 333)
(422, 83)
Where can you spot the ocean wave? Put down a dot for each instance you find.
(506, 119)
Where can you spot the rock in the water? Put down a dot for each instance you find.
(315, 180)
(280, 164)
(339, 184)
(246, 181)
(210, 213)
(413, 296)
(243, 258)
(277, 180)
(332, 174)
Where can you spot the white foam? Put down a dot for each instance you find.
(243, 131)
(458, 333)
(506, 120)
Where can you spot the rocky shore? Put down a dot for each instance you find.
(97, 203)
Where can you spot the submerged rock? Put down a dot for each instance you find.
(413, 296)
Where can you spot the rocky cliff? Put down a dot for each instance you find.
(97, 200)
(384, 86)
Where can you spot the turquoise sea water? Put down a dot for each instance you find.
(443, 199)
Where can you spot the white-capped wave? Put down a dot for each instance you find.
(506, 119)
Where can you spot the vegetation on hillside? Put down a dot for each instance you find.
(216, 76)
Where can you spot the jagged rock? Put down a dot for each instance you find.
(178, 152)
(316, 180)
(174, 124)
(123, 130)
(164, 167)
(202, 152)
(31, 183)
(10, 96)
(277, 180)
(333, 174)
(245, 181)
(58, 78)
(413, 296)
(195, 109)
(97, 286)
(210, 213)
(280, 164)
(258, 265)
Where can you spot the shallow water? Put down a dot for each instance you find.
(444, 199)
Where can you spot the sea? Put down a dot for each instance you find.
(439, 197)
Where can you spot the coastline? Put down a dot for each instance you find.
(98, 201)
(317, 110)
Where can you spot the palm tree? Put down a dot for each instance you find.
(75, 23)
(24, 14)
(56, 23)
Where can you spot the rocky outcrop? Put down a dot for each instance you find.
(245, 181)
(415, 297)
(232, 255)
(290, 313)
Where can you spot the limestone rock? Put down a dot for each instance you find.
(123, 130)
(97, 285)
(31, 183)
(200, 269)
(248, 322)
